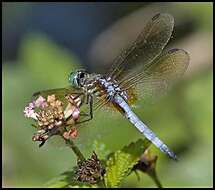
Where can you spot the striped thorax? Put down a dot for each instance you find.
(96, 85)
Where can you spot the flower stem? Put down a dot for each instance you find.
(154, 176)
(75, 149)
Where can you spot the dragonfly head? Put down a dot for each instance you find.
(77, 78)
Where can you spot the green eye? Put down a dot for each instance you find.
(73, 79)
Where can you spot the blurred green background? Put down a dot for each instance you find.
(43, 42)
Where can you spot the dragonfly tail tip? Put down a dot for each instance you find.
(173, 156)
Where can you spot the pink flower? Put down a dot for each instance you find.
(32, 105)
(29, 111)
(41, 102)
(72, 133)
(71, 111)
(51, 98)
(75, 114)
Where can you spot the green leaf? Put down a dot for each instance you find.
(119, 164)
(64, 180)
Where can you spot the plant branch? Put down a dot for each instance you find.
(154, 176)
(75, 149)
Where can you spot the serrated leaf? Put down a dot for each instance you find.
(137, 148)
(64, 180)
(121, 162)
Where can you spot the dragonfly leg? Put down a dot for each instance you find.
(85, 120)
(88, 98)
(91, 107)
(90, 102)
(90, 113)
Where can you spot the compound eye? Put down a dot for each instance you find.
(73, 79)
(82, 74)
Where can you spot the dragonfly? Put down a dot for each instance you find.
(140, 70)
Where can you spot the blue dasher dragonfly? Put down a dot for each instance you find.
(139, 70)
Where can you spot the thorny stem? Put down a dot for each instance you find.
(75, 149)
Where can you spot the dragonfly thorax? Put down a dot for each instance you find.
(96, 84)
(100, 86)
(111, 88)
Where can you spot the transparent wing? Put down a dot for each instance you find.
(146, 48)
(161, 73)
(60, 93)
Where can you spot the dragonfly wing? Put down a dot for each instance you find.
(59, 93)
(157, 77)
(146, 48)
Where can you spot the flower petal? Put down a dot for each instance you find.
(72, 133)
(28, 112)
(41, 102)
(51, 98)
(75, 114)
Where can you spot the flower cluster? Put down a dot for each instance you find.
(90, 170)
(53, 117)
(146, 163)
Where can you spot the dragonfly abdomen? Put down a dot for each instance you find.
(149, 134)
